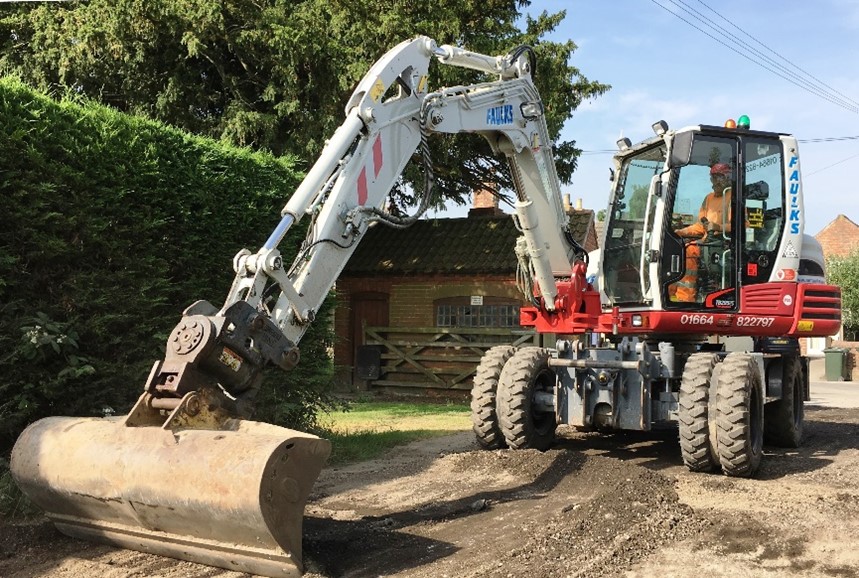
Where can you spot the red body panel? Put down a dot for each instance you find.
(766, 310)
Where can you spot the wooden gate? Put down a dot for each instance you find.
(436, 358)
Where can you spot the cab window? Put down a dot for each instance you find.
(763, 193)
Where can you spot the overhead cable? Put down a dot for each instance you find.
(755, 56)
(794, 65)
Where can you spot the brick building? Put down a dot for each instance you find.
(839, 238)
(441, 288)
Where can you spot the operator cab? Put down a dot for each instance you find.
(660, 249)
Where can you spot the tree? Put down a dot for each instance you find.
(275, 74)
(638, 202)
(844, 272)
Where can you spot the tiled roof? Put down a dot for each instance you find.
(475, 245)
(580, 224)
(583, 228)
(599, 228)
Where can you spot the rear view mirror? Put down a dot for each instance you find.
(681, 150)
(757, 190)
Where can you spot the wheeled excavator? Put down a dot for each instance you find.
(187, 474)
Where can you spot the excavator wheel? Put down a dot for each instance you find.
(697, 445)
(784, 418)
(739, 415)
(484, 416)
(524, 423)
(232, 498)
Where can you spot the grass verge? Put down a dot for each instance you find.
(369, 428)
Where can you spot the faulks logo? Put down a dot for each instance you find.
(793, 195)
(498, 115)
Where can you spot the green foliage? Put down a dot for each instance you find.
(638, 202)
(13, 502)
(296, 398)
(113, 225)
(49, 350)
(275, 74)
(844, 272)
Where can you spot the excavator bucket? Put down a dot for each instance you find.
(231, 497)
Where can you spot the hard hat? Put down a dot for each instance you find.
(720, 169)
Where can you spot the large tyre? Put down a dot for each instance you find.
(739, 415)
(696, 445)
(784, 419)
(525, 375)
(484, 417)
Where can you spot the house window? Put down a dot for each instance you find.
(458, 312)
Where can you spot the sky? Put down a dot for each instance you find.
(662, 68)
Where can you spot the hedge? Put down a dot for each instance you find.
(113, 224)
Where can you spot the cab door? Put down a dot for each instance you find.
(700, 239)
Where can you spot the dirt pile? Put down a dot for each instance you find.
(525, 513)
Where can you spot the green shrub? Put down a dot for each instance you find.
(13, 502)
(113, 225)
(56, 372)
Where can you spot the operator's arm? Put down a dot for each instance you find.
(699, 228)
(694, 231)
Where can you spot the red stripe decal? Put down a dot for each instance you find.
(377, 155)
(362, 187)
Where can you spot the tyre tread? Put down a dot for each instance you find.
(514, 400)
(694, 412)
(739, 453)
(484, 414)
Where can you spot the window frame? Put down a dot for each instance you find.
(449, 312)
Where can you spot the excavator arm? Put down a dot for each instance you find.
(185, 474)
(389, 118)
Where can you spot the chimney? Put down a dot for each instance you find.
(484, 199)
(485, 203)
(568, 206)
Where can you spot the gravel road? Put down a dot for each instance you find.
(594, 505)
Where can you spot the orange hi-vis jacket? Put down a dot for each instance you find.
(713, 209)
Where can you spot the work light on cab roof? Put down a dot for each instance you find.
(742, 123)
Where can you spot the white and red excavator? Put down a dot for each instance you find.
(186, 473)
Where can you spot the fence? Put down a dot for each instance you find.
(433, 358)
